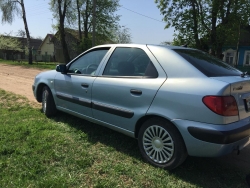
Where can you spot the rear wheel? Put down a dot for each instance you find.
(48, 103)
(161, 144)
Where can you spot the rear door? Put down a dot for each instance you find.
(74, 89)
(126, 88)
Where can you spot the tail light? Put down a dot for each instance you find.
(222, 105)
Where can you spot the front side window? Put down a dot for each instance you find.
(207, 64)
(132, 62)
(88, 63)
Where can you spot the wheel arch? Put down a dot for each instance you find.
(145, 118)
(39, 91)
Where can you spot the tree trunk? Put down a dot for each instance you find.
(27, 31)
(195, 28)
(213, 31)
(219, 50)
(238, 43)
(79, 20)
(86, 18)
(93, 22)
(63, 43)
(62, 30)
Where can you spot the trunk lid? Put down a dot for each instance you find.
(240, 89)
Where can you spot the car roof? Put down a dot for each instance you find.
(138, 45)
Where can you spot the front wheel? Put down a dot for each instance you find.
(161, 144)
(48, 103)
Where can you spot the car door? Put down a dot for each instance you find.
(127, 86)
(73, 89)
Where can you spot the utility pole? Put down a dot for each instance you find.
(94, 22)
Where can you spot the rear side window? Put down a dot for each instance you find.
(207, 64)
(131, 62)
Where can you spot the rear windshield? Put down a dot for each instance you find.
(207, 64)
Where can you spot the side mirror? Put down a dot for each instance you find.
(61, 68)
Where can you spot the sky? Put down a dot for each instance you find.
(142, 17)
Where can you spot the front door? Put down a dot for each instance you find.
(74, 89)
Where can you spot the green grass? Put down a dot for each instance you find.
(38, 65)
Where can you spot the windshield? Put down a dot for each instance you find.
(207, 64)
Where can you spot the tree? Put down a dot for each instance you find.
(122, 35)
(106, 20)
(10, 43)
(79, 14)
(9, 9)
(61, 7)
(183, 16)
(21, 33)
(200, 21)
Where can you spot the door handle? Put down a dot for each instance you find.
(136, 92)
(85, 85)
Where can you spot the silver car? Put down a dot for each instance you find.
(176, 101)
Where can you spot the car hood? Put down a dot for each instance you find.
(47, 74)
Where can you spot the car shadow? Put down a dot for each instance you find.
(97, 133)
(202, 172)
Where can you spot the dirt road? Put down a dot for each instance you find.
(19, 80)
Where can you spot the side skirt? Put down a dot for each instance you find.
(110, 126)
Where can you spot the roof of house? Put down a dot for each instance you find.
(72, 32)
(48, 35)
(34, 43)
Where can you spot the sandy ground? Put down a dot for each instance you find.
(19, 80)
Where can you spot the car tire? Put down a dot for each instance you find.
(161, 144)
(48, 103)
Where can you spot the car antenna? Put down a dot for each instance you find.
(244, 74)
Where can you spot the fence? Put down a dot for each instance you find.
(22, 57)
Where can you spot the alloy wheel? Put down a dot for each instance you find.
(158, 144)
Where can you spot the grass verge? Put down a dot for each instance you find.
(66, 151)
(38, 65)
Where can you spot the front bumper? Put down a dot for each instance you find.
(208, 140)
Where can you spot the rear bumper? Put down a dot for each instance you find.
(220, 137)
(210, 140)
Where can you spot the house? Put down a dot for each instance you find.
(47, 46)
(46, 50)
(230, 50)
(72, 40)
(10, 54)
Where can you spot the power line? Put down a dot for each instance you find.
(142, 15)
